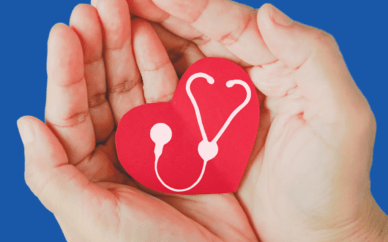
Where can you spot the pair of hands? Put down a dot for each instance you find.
(308, 175)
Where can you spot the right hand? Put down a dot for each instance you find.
(308, 177)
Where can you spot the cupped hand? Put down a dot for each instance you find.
(71, 161)
(308, 176)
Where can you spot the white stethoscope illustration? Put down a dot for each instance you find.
(161, 133)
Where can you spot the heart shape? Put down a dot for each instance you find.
(229, 112)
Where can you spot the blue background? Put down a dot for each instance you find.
(359, 27)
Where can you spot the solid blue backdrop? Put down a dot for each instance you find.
(358, 26)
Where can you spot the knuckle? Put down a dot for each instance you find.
(201, 40)
(367, 118)
(229, 38)
(361, 119)
(120, 87)
(323, 38)
(30, 179)
(162, 98)
(96, 100)
(125, 85)
(233, 36)
(71, 121)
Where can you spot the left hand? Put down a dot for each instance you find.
(71, 161)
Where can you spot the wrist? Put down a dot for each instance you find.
(377, 226)
(372, 226)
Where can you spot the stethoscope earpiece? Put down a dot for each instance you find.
(161, 133)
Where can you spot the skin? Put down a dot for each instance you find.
(308, 175)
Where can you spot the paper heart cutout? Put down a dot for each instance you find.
(180, 164)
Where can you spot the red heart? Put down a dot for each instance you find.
(180, 163)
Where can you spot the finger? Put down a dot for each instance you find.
(182, 52)
(94, 163)
(61, 188)
(124, 84)
(232, 24)
(84, 20)
(320, 71)
(67, 111)
(47, 170)
(148, 10)
(159, 77)
(207, 45)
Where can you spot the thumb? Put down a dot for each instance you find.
(292, 42)
(58, 185)
(315, 60)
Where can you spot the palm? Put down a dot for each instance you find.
(192, 218)
(162, 217)
(286, 178)
(297, 162)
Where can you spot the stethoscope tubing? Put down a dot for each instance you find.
(210, 80)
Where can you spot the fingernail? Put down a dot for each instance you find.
(26, 131)
(279, 17)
